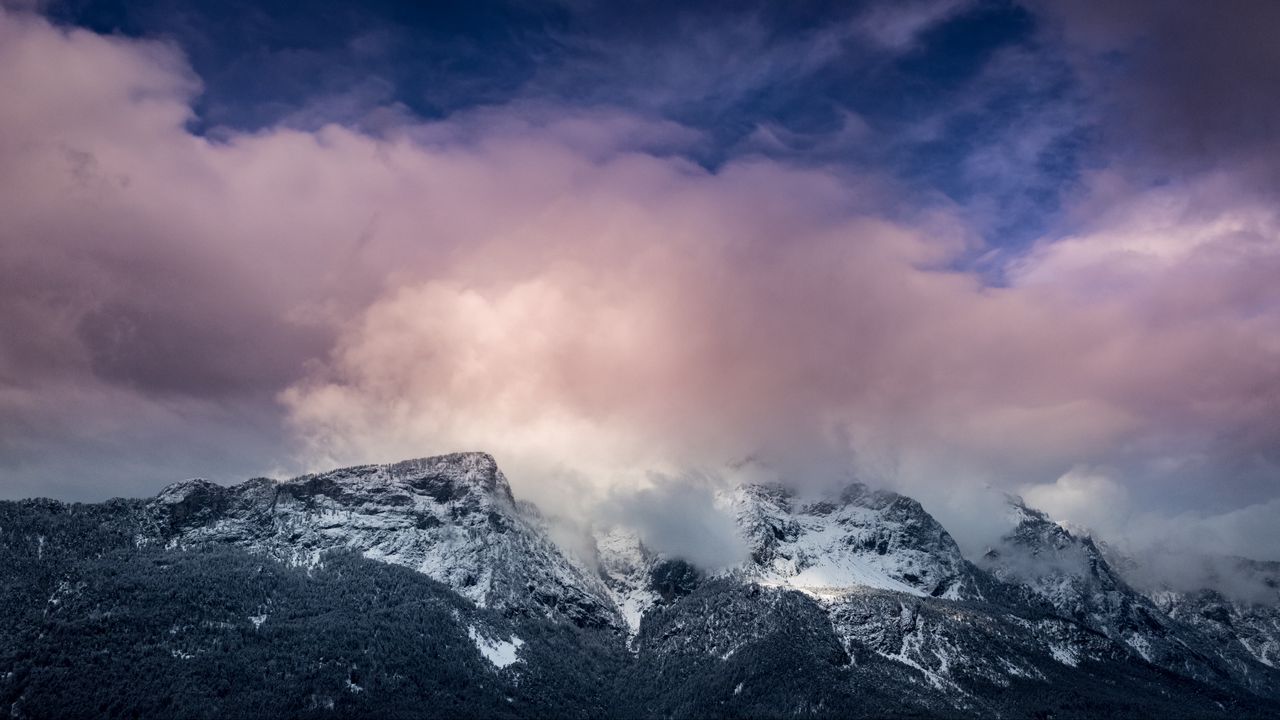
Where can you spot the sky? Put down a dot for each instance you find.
(639, 250)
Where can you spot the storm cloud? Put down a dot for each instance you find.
(565, 287)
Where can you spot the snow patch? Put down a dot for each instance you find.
(1016, 670)
(500, 653)
(1064, 654)
(1141, 645)
(1262, 651)
(624, 566)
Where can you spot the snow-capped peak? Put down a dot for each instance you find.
(450, 517)
(840, 542)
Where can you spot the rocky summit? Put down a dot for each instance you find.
(425, 589)
(451, 518)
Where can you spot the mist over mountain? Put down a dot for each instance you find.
(426, 588)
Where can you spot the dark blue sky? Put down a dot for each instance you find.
(969, 105)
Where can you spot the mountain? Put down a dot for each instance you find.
(1072, 574)
(1240, 622)
(451, 518)
(854, 539)
(425, 589)
(1232, 625)
(826, 546)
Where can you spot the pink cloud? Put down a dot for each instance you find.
(559, 288)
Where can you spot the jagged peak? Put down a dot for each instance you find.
(478, 462)
(1022, 513)
(478, 469)
(1037, 532)
(1032, 522)
(470, 480)
(181, 490)
(834, 542)
(1064, 567)
(445, 476)
(782, 498)
(849, 493)
(878, 498)
(773, 493)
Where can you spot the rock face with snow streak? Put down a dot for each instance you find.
(1071, 574)
(1068, 572)
(627, 566)
(452, 518)
(1232, 625)
(1240, 630)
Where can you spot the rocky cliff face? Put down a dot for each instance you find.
(1241, 631)
(1071, 574)
(627, 568)
(451, 518)
(1232, 625)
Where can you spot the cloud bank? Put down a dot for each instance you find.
(563, 288)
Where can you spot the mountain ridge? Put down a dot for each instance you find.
(872, 587)
(451, 517)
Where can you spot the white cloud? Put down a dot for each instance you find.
(1085, 497)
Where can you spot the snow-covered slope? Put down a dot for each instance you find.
(1066, 570)
(847, 541)
(895, 588)
(1242, 628)
(626, 566)
(1233, 625)
(1071, 574)
(956, 647)
(452, 518)
(828, 546)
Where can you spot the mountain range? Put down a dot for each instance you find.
(426, 589)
